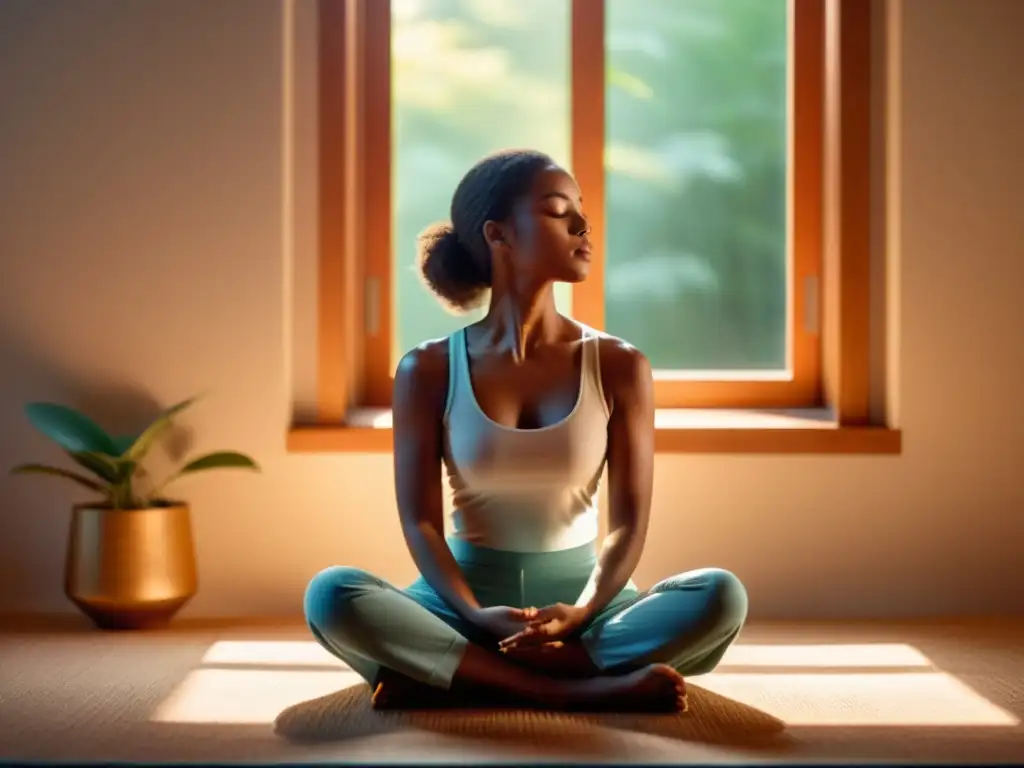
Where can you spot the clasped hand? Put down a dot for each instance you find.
(522, 627)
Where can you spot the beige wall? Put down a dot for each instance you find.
(151, 249)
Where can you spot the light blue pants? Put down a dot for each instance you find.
(686, 621)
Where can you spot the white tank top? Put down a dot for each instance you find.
(524, 490)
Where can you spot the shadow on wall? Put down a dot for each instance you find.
(35, 511)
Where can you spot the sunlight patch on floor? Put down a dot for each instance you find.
(848, 655)
(877, 655)
(271, 652)
(247, 695)
(922, 696)
(907, 699)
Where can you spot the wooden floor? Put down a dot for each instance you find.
(264, 693)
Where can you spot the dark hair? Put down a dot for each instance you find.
(454, 258)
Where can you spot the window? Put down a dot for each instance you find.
(710, 138)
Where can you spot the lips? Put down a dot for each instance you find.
(582, 253)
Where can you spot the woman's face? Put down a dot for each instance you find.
(548, 238)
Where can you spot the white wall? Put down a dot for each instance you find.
(151, 249)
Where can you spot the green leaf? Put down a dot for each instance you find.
(42, 469)
(146, 440)
(123, 442)
(100, 464)
(72, 430)
(219, 460)
(215, 460)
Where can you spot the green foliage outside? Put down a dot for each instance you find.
(696, 158)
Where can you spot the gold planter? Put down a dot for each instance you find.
(130, 568)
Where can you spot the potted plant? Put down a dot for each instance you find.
(130, 556)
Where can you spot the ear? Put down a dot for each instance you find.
(495, 234)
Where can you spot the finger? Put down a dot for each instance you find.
(546, 614)
(527, 638)
(508, 640)
(523, 641)
(541, 633)
(544, 626)
(512, 640)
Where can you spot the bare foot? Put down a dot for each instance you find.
(395, 691)
(398, 692)
(655, 688)
(557, 659)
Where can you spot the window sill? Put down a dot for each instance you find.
(811, 431)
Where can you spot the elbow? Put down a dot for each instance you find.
(631, 527)
(419, 534)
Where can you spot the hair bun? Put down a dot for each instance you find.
(449, 269)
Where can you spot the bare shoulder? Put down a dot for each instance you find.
(626, 375)
(422, 373)
(621, 360)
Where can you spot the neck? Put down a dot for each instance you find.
(519, 320)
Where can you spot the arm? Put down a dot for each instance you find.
(421, 384)
(630, 386)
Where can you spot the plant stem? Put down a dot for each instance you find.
(159, 488)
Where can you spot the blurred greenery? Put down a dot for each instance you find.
(696, 158)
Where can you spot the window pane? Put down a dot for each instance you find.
(696, 162)
(469, 77)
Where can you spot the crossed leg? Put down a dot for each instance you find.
(686, 622)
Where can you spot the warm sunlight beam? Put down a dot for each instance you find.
(303, 653)
(877, 655)
(913, 699)
(887, 699)
(247, 695)
(835, 656)
(870, 684)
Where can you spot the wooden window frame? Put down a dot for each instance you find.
(830, 264)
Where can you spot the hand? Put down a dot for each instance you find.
(503, 620)
(554, 622)
(555, 658)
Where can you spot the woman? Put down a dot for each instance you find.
(523, 409)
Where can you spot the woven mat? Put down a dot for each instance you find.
(218, 696)
(712, 719)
